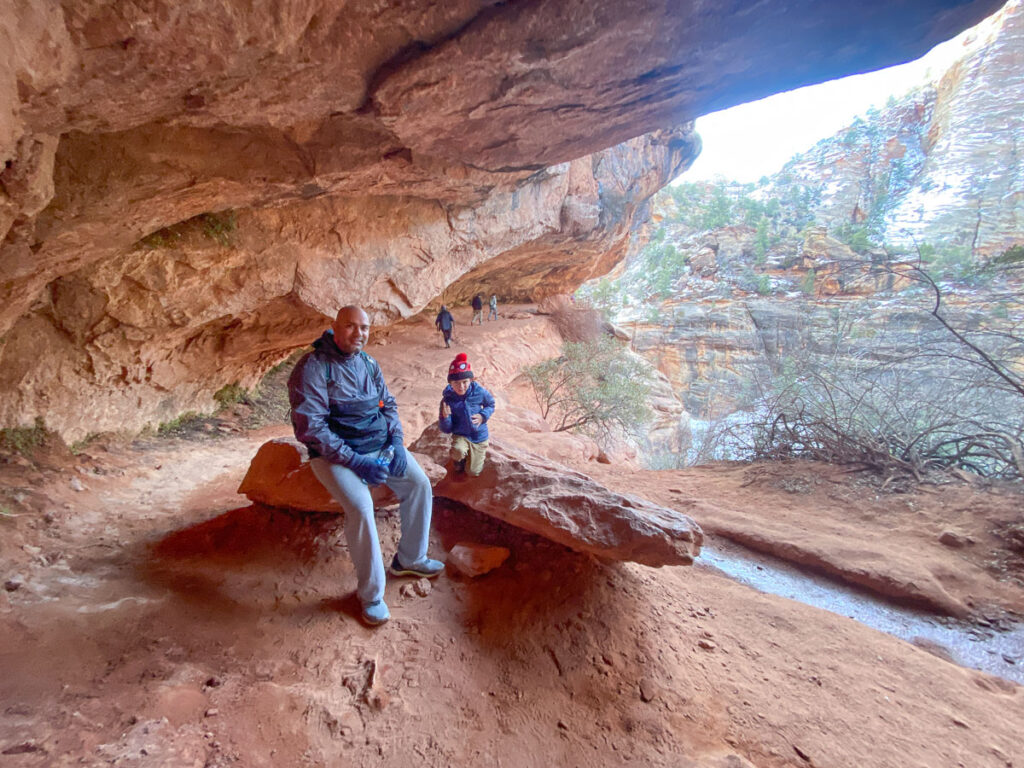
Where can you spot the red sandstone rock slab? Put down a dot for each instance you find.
(566, 506)
(280, 476)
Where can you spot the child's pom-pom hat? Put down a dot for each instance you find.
(460, 368)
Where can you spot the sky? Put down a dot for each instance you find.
(753, 140)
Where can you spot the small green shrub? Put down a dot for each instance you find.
(595, 387)
(178, 423)
(80, 445)
(218, 226)
(230, 394)
(807, 285)
(168, 237)
(23, 440)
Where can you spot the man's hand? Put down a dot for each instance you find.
(477, 419)
(368, 469)
(401, 461)
(446, 412)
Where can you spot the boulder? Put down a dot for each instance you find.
(280, 476)
(554, 501)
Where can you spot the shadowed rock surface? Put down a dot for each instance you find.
(549, 499)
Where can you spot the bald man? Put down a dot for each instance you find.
(344, 414)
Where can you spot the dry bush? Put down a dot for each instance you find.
(574, 323)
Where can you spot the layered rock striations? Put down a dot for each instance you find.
(190, 188)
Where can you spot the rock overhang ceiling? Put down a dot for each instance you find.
(356, 152)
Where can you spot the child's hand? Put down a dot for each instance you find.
(477, 419)
(446, 412)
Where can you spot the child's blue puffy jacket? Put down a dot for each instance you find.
(476, 400)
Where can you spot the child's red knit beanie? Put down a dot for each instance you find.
(460, 368)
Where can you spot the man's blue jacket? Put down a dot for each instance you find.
(340, 403)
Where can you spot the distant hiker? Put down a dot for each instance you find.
(492, 313)
(445, 324)
(478, 311)
(344, 414)
(466, 407)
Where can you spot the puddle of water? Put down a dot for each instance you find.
(999, 653)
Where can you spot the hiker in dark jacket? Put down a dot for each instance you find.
(478, 310)
(445, 324)
(466, 407)
(344, 414)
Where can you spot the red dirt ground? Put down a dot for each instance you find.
(154, 618)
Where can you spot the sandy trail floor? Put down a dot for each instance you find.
(153, 618)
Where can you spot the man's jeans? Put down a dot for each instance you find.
(415, 505)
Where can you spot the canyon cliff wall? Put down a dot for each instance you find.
(191, 189)
(942, 165)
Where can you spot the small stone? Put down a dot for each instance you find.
(76, 484)
(422, 587)
(212, 712)
(474, 560)
(648, 690)
(23, 748)
(562, 726)
(707, 645)
(14, 583)
(953, 540)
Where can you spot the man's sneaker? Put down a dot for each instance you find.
(428, 569)
(376, 613)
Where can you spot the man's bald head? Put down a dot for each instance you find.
(351, 329)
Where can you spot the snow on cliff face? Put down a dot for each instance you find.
(943, 165)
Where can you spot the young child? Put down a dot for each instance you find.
(466, 408)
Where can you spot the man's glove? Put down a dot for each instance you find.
(369, 471)
(401, 461)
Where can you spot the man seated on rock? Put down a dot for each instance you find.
(344, 414)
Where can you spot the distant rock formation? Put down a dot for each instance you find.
(942, 165)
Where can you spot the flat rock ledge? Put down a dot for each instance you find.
(280, 476)
(566, 506)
